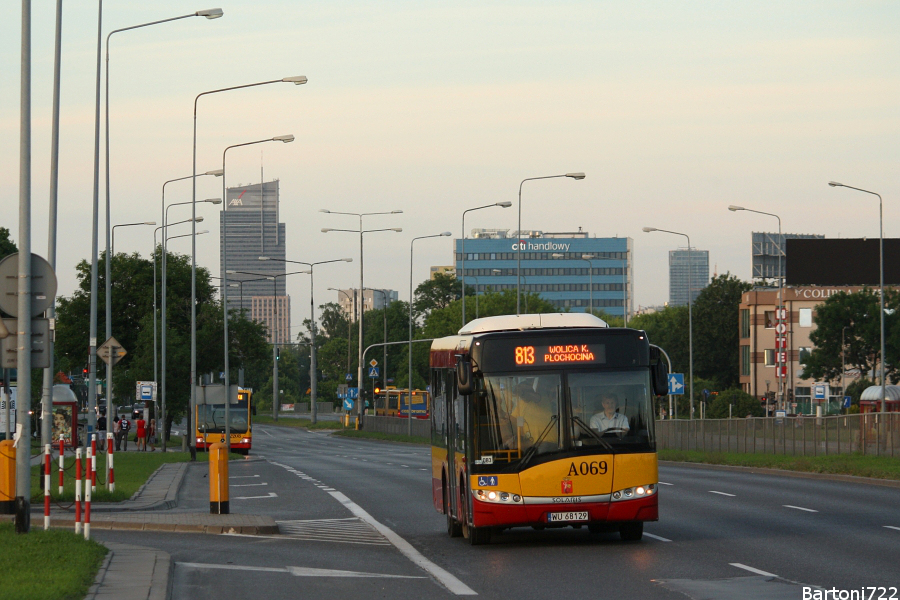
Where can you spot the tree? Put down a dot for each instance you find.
(742, 404)
(668, 329)
(7, 246)
(716, 330)
(437, 293)
(859, 314)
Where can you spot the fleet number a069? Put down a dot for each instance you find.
(587, 468)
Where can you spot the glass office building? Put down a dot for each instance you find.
(569, 269)
(687, 267)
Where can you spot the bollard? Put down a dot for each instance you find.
(47, 452)
(110, 473)
(7, 478)
(218, 479)
(87, 499)
(93, 462)
(78, 490)
(357, 423)
(62, 466)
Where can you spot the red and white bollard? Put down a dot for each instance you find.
(110, 473)
(78, 490)
(93, 462)
(62, 466)
(47, 487)
(87, 502)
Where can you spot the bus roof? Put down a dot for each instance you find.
(523, 322)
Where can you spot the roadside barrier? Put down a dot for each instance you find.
(87, 503)
(218, 479)
(110, 473)
(47, 487)
(78, 490)
(62, 466)
(7, 477)
(93, 462)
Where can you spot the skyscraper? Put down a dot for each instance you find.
(682, 262)
(249, 228)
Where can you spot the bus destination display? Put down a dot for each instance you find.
(555, 354)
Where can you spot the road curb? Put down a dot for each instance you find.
(98, 579)
(785, 473)
(214, 529)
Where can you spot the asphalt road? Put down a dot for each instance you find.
(357, 522)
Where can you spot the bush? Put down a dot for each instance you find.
(742, 404)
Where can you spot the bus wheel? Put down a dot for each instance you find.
(632, 532)
(478, 536)
(453, 527)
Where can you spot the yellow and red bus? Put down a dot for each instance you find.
(545, 421)
(391, 402)
(210, 423)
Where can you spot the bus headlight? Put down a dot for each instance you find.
(497, 497)
(639, 491)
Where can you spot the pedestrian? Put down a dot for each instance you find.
(141, 434)
(117, 433)
(101, 431)
(151, 435)
(126, 427)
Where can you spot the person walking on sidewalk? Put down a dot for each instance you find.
(141, 434)
(126, 427)
(117, 433)
(151, 435)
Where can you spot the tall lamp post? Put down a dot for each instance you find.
(349, 322)
(781, 328)
(462, 244)
(881, 277)
(312, 327)
(113, 243)
(384, 305)
(296, 80)
(360, 231)
(690, 309)
(409, 381)
(575, 176)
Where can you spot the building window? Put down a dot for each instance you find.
(745, 360)
(770, 358)
(805, 317)
(745, 324)
(805, 351)
(770, 319)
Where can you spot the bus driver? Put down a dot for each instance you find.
(608, 419)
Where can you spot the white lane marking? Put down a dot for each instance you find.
(664, 483)
(271, 495)
(892, 527)
(752, 570)
(296, 571)
(249, 484)
(799, 508)
(721, 493)
(265, 431)
(656, 537)
(243, 476)
(449, 581)
(405, 466)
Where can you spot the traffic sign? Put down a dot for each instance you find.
(847, 401)
(676, 384)
(352, 393)
(40, 339)
(349, 377)
(373, 363)
(820, 391)
(145, 391)
(374, 371)
(43, 285)
(348, 404)
(111, 351)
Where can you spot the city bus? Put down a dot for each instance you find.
(545, 421)
(210, 423)
(391, 402)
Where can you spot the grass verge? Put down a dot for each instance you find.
(387, 437)
(860, 465)
(47, 565)
(296, 423)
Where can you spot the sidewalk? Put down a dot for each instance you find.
(133, 572)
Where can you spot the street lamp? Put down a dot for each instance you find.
(174, 237)
(312, 328)
(360, 231)
(384, 305)
(575, 176)
(212, 13)
(296, 80)
(780, 333)
(881, 277)
(409, 374)
(462, 244)
(349, 322)
(690, 310)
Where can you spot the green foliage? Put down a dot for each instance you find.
(436, 293)
(855, 390)
(716, 330)
(856, 316)
(7, 246)
(742, 405)
(668, 329)
(447, 321)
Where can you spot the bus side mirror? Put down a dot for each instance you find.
(659, 373)
(465, 384)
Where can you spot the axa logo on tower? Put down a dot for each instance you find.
(523, 245)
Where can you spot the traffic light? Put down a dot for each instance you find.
(377, 389)
(277, 353)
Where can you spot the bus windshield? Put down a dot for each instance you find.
(523, 416)
(211, 418)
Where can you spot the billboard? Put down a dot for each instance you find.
(840, 262)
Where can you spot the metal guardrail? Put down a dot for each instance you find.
(397, 426)
(876, 434)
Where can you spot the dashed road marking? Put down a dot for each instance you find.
(243, 476)
(752, 570)
(347, 531)
(721, 493)
(799, 508)
(295, 571)
(664, 483)
(892, 527)
(249, 484)
(656, 537)
(271, 495)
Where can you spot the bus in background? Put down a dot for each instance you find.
(391, 402)
(545, 421)
(211, 423)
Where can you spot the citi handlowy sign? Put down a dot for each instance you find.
(523, 245)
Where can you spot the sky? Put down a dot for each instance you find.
(673, 110)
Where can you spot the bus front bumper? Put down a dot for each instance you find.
(489, 514)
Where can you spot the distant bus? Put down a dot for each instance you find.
(211, 424)
(391, 402)
(545, 421)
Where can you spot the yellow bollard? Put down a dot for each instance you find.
(218, 479)
(7, 478)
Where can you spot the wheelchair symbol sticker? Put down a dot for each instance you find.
(489, 481)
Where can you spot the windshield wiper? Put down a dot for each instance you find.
(531, 451)
(593, 433)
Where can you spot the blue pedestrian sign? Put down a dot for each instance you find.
(676, 384)
(349, 377)
(374, 371)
